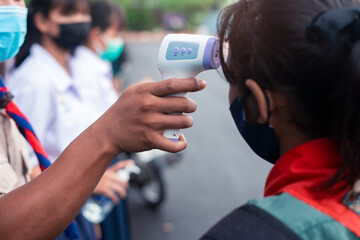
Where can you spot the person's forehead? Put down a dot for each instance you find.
(12, 2)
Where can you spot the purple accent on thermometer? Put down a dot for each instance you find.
(176, 50)
(211, 58)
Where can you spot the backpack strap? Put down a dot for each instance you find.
(303, 219)
(250, 222)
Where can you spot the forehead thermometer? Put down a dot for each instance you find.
(184, 56)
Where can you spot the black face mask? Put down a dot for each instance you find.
(72, 35)
(260, 137)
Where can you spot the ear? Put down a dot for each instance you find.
(41, 23)
(94, 34)
(95, 38)
(259, 95)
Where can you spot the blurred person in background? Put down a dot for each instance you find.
(97, 60)
(294, 74)
(104, 46)
(116, 55)
(52, 91)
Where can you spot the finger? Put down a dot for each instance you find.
(36, 171)
(119, 190)
(165, 121)
(146, 79)
(121, 165)
(115, 179)
(112, 195)
(172, 86)
(121, 182)
(167, 145)
(177, 105)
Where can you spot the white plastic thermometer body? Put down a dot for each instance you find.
(184, 56)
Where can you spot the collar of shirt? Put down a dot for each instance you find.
(96, 76)
(92, 59)
(58, 71)
(303, 173)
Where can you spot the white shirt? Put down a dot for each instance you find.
(53, 100)
(97, 71)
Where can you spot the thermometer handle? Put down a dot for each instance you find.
(174, 134)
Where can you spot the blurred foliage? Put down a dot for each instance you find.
(148, 14)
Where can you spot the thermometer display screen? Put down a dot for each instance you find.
(182, 51)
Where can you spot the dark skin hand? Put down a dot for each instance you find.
(44, 207)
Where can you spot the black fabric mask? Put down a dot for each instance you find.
(72, 35)
(260, 137)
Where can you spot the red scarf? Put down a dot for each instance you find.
(303, 171)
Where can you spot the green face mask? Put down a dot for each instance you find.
(114, 49)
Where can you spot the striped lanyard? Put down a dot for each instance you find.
(27, 131)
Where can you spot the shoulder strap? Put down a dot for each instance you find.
(244, 223)
(304, 220)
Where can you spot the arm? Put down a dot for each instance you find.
(43, 208)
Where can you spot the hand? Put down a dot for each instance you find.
(110, 184)
(136, 122)
(35, 171)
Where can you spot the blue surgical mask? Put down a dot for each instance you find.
(260, 137)
(12, 30)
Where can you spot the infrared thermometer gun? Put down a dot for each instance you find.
(184, 56)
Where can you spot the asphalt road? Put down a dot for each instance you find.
(217, 174)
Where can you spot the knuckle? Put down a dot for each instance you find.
(141, 88)
(184, 105)
(171, 85)
(147, 140)
(138, 89)
(152, 123)
(147, 105)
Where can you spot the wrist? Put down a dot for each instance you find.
(103, 140)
